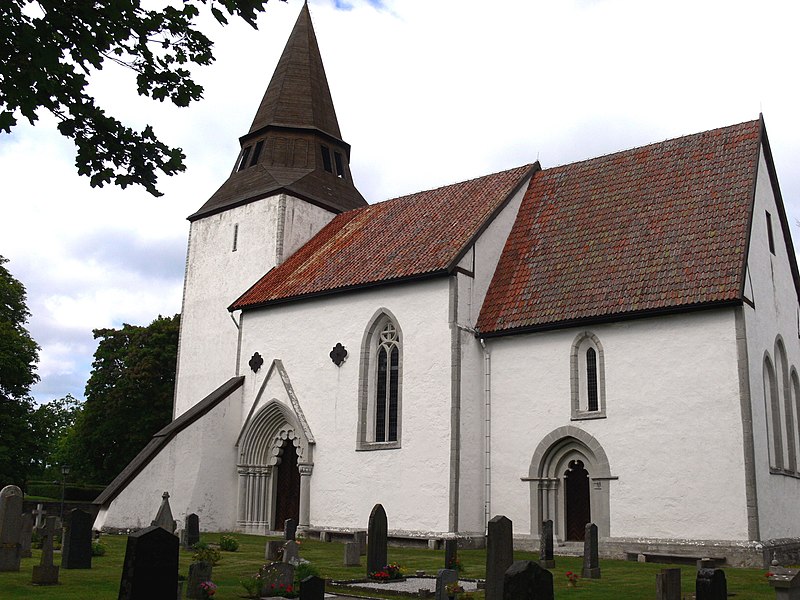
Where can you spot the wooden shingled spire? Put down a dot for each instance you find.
(294, 145)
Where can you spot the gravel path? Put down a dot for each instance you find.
(412, 584)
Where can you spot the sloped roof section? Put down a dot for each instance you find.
(659, 227)
(409, 237)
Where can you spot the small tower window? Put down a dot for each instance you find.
(339, 165)
(326, 159)
(257, 152)
(235, 237)
(243, 161)
(770, 238)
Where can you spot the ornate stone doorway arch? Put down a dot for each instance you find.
(558, 456)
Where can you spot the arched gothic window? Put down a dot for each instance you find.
(381, 384)
(772, 409)
(587, 377)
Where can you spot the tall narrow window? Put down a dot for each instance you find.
(770, 237)
(339, 164)
(386, 385)
(591, 378)
(326, 159)
(257, 152)
(243, 161)
(235, 237)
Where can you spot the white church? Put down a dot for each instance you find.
(612, 341)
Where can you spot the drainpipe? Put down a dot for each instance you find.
(487, 433)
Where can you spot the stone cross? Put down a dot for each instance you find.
(450, 553)
(526, 579)
(77, 550)
(377, 535)
(164, 515)
(39, 515)
(499, 555)
(591, 553)
(668, 584)
(46, 573)
(150, 569)
(26, 536)
(10, 527)
(546, 557)
(445, 577)
(711, 585)
(312, 588)
(198, 573)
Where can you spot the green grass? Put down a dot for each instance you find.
(621, 580)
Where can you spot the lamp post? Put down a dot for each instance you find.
(64, 473)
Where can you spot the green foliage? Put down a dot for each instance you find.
(98, 549)
(49, 53)
(128, 397)
(51, 422)
(252, 585)
(228, 543)
(303, 570)
(18, 356)
(204, 552)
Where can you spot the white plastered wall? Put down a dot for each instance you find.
(480, 260)
(775, 314)
(197, 469)
(672, 435)
(411, 482)
(267, 231)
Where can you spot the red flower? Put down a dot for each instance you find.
(768, 574)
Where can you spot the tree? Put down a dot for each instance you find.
(18, 357)
(50, 47)
(51, 423)
(128, 397)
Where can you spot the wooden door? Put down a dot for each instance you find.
(287, 497)
(578, 508)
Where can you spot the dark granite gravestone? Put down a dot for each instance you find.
(164, 515)
(377, 535)
(668, 584)
(499, 555)
(26, 536)
(290, 529)
(77, 550)
(276, 576)
(192, 529)
(312, 588)
(150, 569)
(198, 573)
(352, 558)
(273, 550)
(445, 577)
(10, 527)
(291, 552)
(46, 573)
(450, 554)
(591, 553)
(360, 537)
(546, 558)
(711, 585)
(527, 580)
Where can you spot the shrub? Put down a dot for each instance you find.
(205, 553)
(304, 569)
(98, 549)
(228, 543)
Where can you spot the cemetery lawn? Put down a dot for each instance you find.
(621, 580)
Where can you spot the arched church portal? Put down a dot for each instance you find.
(273, 471)
(569, 477)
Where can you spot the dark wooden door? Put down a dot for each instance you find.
(287, 497)
(576, 483)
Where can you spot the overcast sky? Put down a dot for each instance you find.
(428, 92)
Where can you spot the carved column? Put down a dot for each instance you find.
(305, 494)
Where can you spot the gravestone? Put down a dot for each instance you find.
(352, 558)
(711, 585)
(546, 558)
(150, 569)
(360, 537)
(706, 563)
(591, 553)
(291, 552)
(526, 579)
(668, 584)
(76, 552)
(198, 573)
(444, 577)
(273, 550)
(192, 529)
(39, 514)
(786, 583)
(46, 573)
(10, 527)
(450, 554)
(377, 535)
(26, 536)
(164, 515)
(276, 576)
(499, 555)
(290, 529)
(312, 588)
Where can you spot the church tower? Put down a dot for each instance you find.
(291, 177)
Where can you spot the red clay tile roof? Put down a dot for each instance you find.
(413, 236)
(653, 228)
